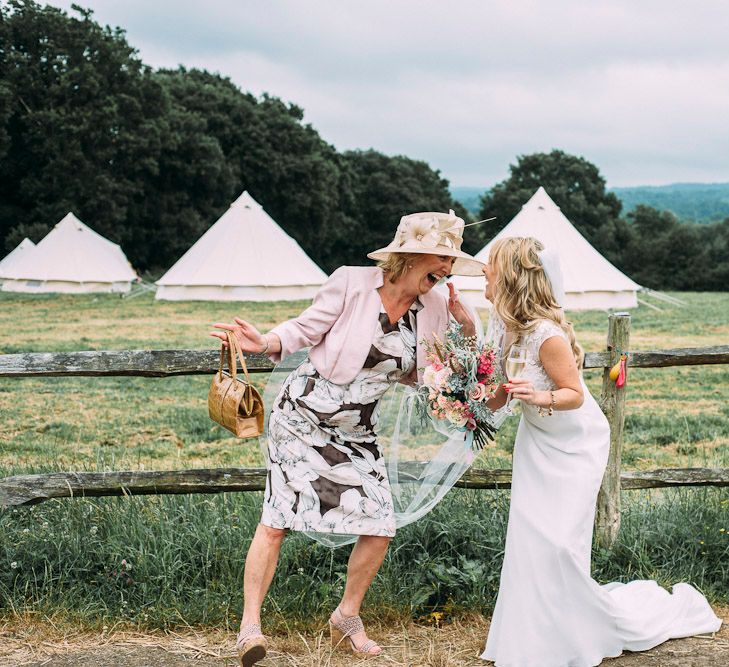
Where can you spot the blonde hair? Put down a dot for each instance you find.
(522, 293)
(396, 264)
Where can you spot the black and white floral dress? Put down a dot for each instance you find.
(326, 471)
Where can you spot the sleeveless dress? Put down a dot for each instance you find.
(549, 611)
(326, 470)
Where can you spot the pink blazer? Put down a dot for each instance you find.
(340, 324)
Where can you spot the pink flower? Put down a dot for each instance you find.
(478, 393)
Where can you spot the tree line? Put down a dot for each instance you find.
(651, 246)
(151, 158)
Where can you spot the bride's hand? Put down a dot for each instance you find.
(249, 339)
(525, 392)
(460, 314)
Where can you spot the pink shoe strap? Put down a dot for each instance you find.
(348, 625)
(248, 632)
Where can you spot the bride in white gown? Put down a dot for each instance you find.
(549, 611)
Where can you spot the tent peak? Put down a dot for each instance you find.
(541, 200)
(71, 220)
(246, 201)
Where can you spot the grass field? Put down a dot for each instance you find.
(675, 417)
(166, 561)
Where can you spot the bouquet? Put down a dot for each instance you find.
(461, 375)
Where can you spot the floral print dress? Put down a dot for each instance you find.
(326, 471)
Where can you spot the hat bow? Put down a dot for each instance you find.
(431, 232)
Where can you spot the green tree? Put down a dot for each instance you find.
(712, 265)
(77, 128)
(575, 185)
(151, 159)
(664, 253)
(386, 188)
(299, 179)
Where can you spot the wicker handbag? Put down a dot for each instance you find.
(234, 402)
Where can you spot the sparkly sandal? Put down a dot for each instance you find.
(251, 645)
(345, 627)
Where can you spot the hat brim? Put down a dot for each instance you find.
(465, 264)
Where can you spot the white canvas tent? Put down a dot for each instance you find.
(244, 256)
(14, 255)
(590, 281)
(71, 258)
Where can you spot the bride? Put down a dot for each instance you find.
(549, 612)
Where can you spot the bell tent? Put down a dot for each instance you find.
(244, 256)
(590, 281)
(13, 256)
(70, 258)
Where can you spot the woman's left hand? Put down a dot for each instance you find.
(459, 312)
(524, 391)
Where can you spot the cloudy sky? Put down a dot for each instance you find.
(639, 88)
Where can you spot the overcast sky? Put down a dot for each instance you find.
(640, 88)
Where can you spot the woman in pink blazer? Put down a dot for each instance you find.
(326, 471)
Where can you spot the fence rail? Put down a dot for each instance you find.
(31, 489)
(170, 363)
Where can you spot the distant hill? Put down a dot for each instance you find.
(469, 197)
(696, 202)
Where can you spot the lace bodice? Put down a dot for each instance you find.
(533, 369)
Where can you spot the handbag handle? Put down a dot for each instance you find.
(230, 355)
(235, 353)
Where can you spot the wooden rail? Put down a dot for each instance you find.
(169, 363)
(31, 489)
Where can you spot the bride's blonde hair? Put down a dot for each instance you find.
(522, 293)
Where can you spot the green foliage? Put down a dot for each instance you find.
(660, 252)
(82, 119)
(386, 188)
(171, 561)
(575, 185)
(651, 246)
(151, 159)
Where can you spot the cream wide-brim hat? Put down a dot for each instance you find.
(432, 233)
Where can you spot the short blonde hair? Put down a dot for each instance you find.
(523, 294)
(396, 264)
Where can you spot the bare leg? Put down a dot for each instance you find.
(261, 564)
(364, 563)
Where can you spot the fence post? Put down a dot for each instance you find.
(607, 523)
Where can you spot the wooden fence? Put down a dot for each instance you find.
(31, 489)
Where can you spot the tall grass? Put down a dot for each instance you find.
(166, 561)
(171, 561)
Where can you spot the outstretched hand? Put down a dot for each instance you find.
(249, 339)
(460, 313)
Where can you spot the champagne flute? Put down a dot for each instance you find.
(515, 363)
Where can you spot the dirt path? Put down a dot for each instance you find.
(454, 645)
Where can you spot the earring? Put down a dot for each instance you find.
(410, 266)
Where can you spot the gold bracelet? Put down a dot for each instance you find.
(547, 412)
(265, 349)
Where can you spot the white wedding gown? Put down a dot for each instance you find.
(549, 611)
